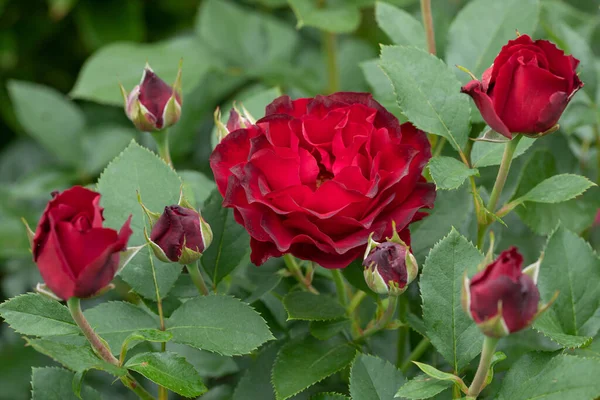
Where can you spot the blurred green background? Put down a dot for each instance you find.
(61, 120)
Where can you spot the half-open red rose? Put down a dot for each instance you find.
(527, 88)
(501, 298)
(316, 176)
(77, 256)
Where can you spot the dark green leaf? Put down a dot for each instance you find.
(230, 247)
(312, 307)
(324, 330)
(55, 384)
(255, 384)
(448, 173)
(355, 275)
(450, 330)
(372, 378)
(301, 364)
(169, 370)
(219, 323)
(329, 396)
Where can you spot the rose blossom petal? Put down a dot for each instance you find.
(508, 263)
(560, 64)
(486, 107)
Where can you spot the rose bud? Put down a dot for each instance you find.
(527, 87)
(316, 176)
(76, 256)
(180, 235)
(237, 120)
(153, 105)
(389, 266)
(502, 299)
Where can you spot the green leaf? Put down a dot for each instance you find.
(36, 315)
(124, 63)
(312, 307)
(571, 267)
(247, 39)
(324, 330)
(146, 335)
(400, 26)
(450, 330)
(372, 378)
(329, 396)
(169, 370)
(557, 189)
(302, 363)
(334, 16)
(255, 384)
(382, 88)
(573, 43)
(448, 173)
(428, 93)
(137, 170)
(422, 387)
(50, 118)
(230, 247)
(576, 214)
(51, 383)
(218, 323)
(74, 357)
(482, 27)
(196, 187)
(440, 375)
(551, 377)
(485, 154)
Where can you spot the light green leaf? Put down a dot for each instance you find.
(557, 189)
(400, 26)
(255, 384)
(485, 154)
(36, 315)
(382, 88)
(450, 330)
(49, 117)
(448, 173)
(124, 63)
(247, 39)
(169, 370)
(428, 93)
(573, 43)
(324, 330)
(422, 387)
(301, 364)
(196, 187)
(571, 267)
(208, 365)
(74, 357)
(334, 17)
(135, 170)
(218, 323)
(482, 27)
(51, 383)
(103, 144)
(551, 377)
(312, 307)
(372, 378)
(146, 335)
(230, 247)
(441, 375)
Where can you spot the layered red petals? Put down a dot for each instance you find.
(315, 177)
(527, 88)
(76, 256)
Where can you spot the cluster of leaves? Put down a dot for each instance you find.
(299, 345)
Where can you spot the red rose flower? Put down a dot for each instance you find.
(501, 298)
(527, 88)
(316, 176)
(77, 256)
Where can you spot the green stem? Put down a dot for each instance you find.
(481, 236)
(339, 286)
(384, 320)
(355, 301)
(162, 143)
(402, 331)
(329, 50)
(296, 272)
(507, 157)
(415, 354)
(439, 146)
(489, 346)
(197, 278)
(74, 305)
(163, 393)
(428, 24)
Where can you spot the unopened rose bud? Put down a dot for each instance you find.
(502, 299)
(153, 105)
(180, 235)
(390, 266)
(237, 120)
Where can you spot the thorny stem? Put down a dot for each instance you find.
(74, 305)
(197, 278)
(296, 272)
(489, 346)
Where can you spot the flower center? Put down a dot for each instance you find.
(324, 175)
(82, 223)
